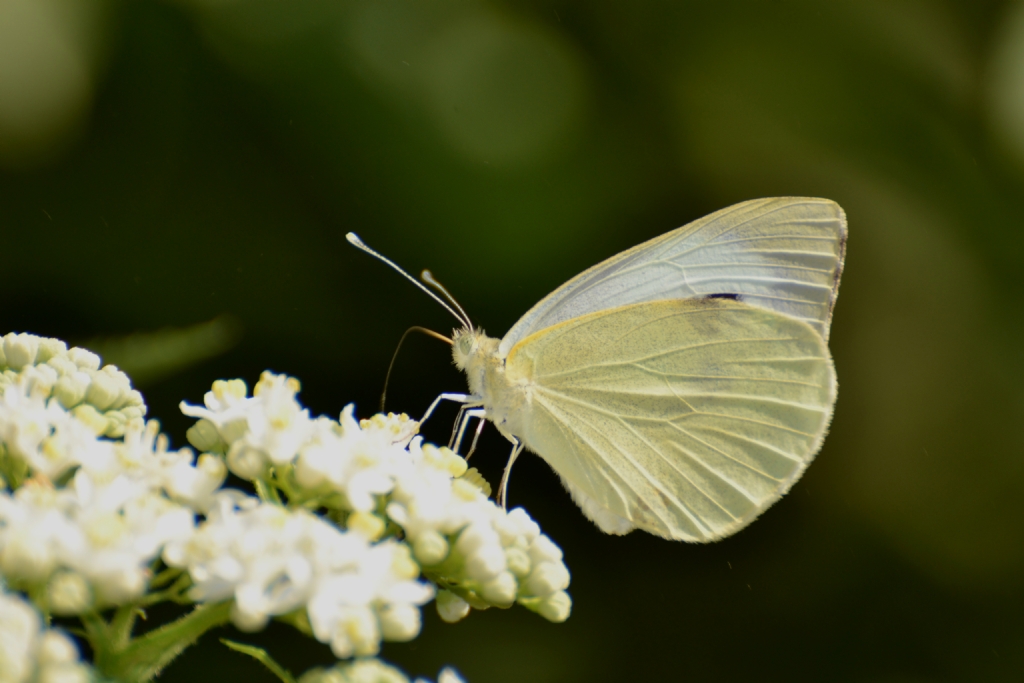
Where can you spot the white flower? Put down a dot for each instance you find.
(37, 430)
(107, 532)
(271, 561)
(19, 633)
(144, 456)
(29, 652)
(359, 461)
(33, 532)
(266, 428)
(352, 610)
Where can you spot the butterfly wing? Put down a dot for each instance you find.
(684, 418)
(783, 253)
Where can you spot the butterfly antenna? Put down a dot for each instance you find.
(358, 243)
(429, 278)
(391, 365)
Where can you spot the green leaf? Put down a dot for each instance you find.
(261, 656)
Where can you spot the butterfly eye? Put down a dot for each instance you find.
(466, 344)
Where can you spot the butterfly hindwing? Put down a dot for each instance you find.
(686, 418)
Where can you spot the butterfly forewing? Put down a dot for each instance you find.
(687, 418)
(784, 254)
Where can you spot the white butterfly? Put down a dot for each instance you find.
(682, 386)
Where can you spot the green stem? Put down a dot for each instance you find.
(165, 577)
(119, 628)
(174, 593)
(144, 657)
(266, 491)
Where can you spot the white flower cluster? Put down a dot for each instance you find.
(481, 553)
(87, 515)
(102, 398)
(351, 521)
(379, 474)
(30, 653)
(90, 543)
(273, 561)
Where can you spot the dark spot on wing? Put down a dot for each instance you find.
(839, 271)
(724, 295)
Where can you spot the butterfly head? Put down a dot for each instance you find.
(465, 345)
(475, 354)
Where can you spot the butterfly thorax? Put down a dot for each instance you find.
(478, 356)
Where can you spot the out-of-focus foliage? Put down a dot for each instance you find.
(164, 163)
(151, 356)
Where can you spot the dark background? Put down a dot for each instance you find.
(166, 163)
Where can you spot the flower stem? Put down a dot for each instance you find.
(141, 659)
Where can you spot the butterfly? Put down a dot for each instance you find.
(682, 386)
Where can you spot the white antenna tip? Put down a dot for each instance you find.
(354, 239)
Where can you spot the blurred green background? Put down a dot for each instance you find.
(167, 164)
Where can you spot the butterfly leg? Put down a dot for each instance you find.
(456, 431)
(476, 436)
(466, 413)
(457, 398)
(517, 448)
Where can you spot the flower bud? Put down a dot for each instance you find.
(501, 590)
(556, 607)
(543, 549)
(203, 435)
(92, 418)
(134, 412)
(518, 561)
(20, 350)
(402, 564)
(527, 527)
(27, 556)
(68, 593)
(546, 578)
(400, 622)
(486, 562)
(70, 389)
(104, 390)
(247, 619)
(50, 348)
(85, 359)
(232, 431)
(65, 673)
(121, 585)
(451, 607)
(475, 536)
(116, 422)
(358, 636)
(57, 648)
(246, 462)
(430, 548)
(448, 675)
(212, 472)
(368, 524)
